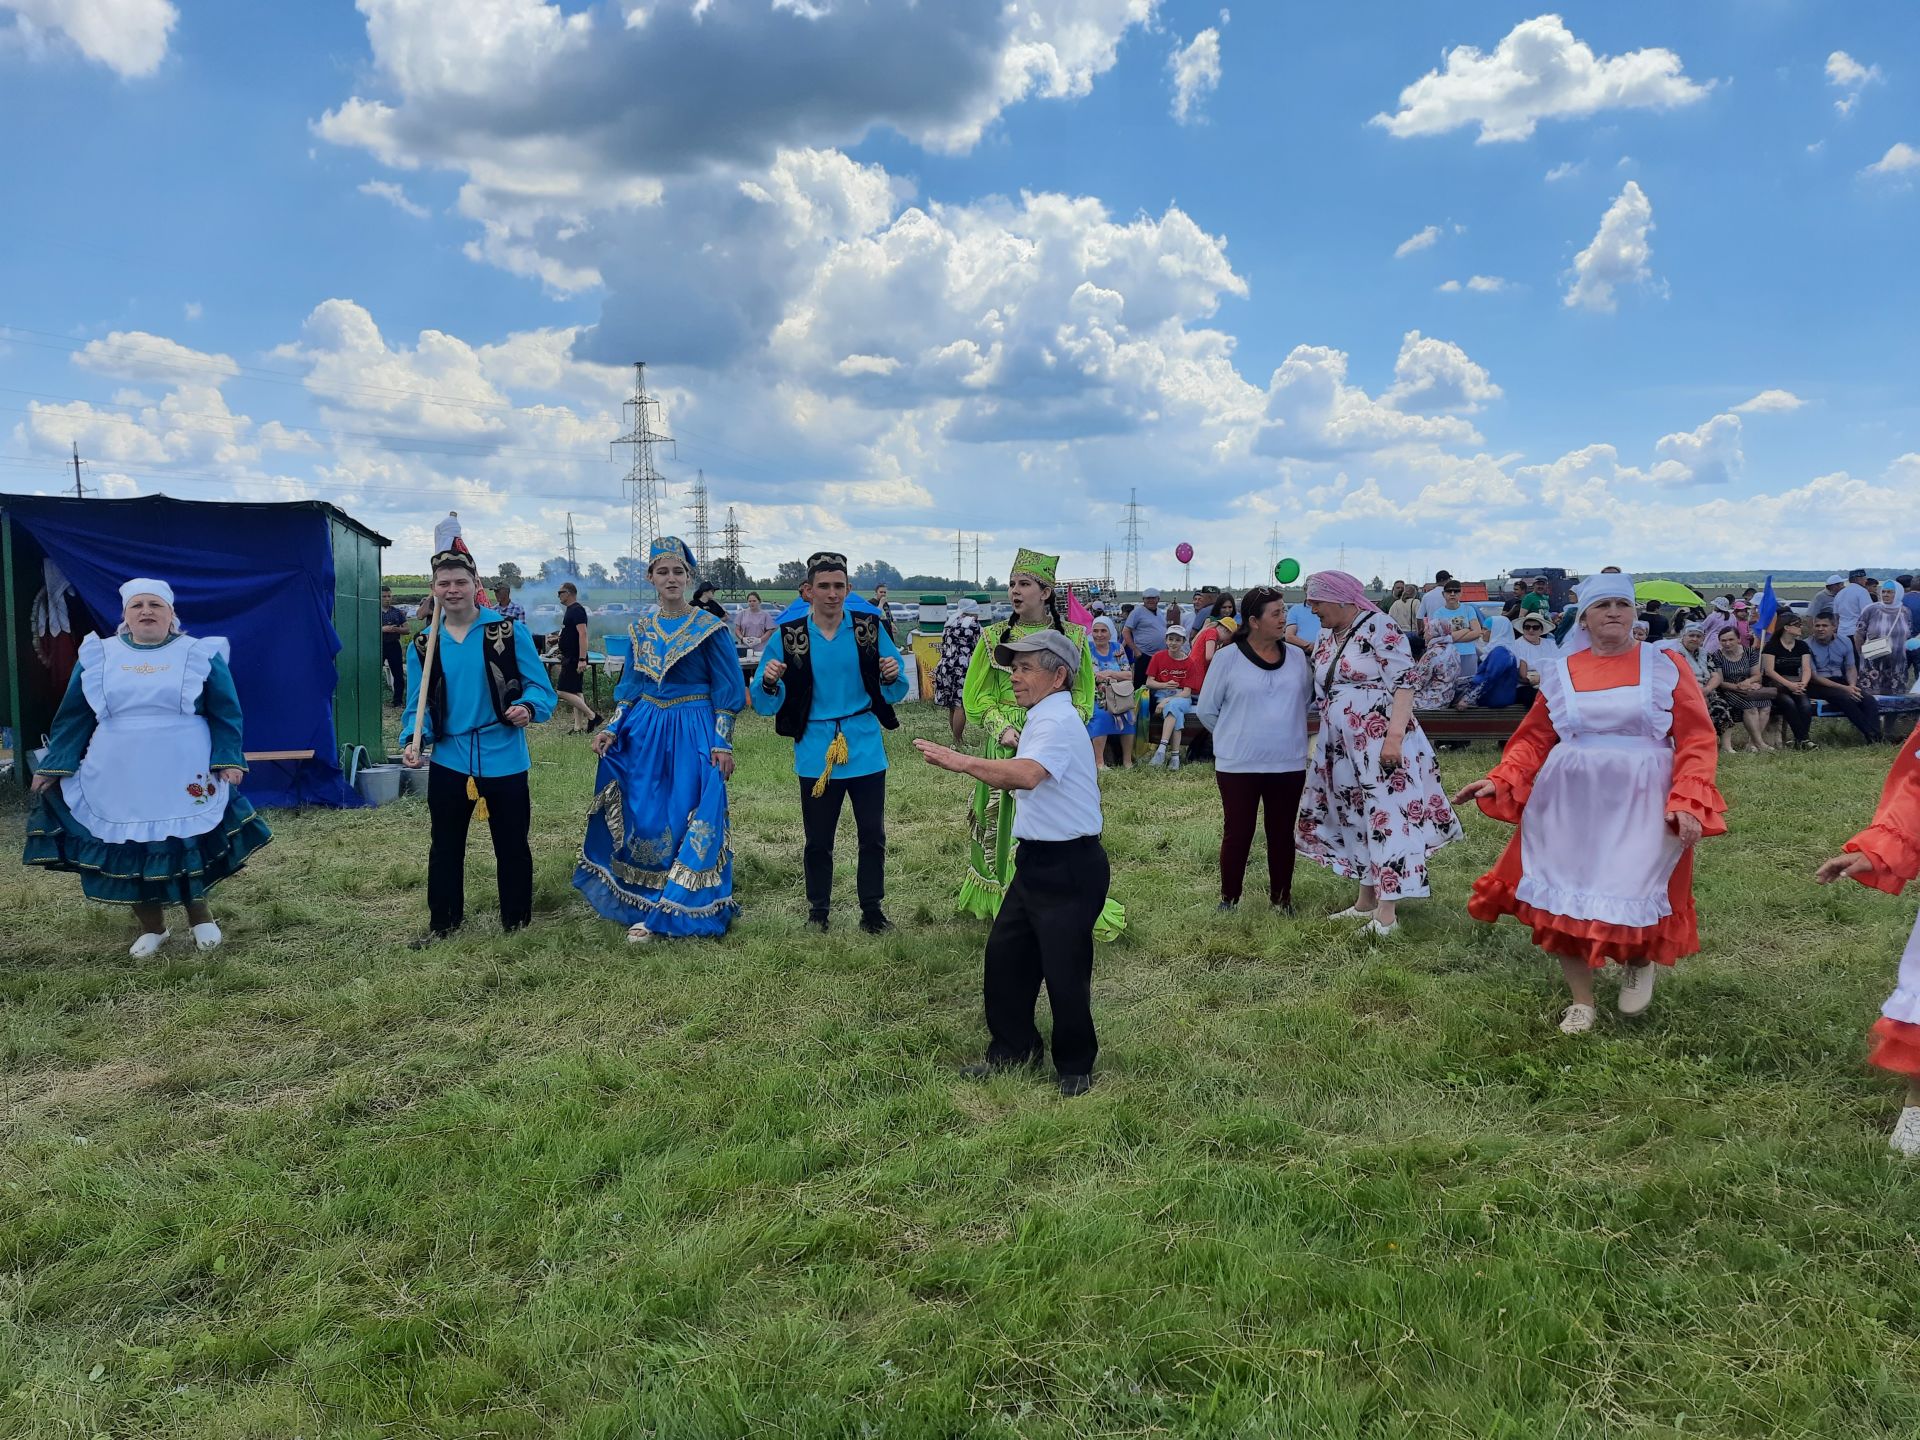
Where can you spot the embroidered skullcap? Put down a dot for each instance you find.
(1041, 567)
(146, 587)
(673, 545)
(1336, 587)
(1604, 586)
(455, 559)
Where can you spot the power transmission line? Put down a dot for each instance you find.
(1132, 522)
(79, 490)
(732, 533)
(643, 479)
(702, 534)
(976, 562)
(573, 552)
(959, 557)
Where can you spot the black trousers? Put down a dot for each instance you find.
(1241, 796)
(395, 659)
(1859, 709)
(1795, 712)
(821, 818)
(509, 813)
(1044, 934)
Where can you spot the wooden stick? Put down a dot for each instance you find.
(426, 670)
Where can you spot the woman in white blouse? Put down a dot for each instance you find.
(1254, 702)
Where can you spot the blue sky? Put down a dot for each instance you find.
(901, 270)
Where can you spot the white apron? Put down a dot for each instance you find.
(1594, 842)
(1904, 1003)
(148, 771)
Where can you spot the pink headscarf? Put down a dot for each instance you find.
(1336, 587)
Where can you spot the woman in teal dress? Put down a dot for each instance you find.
(658, 853)
(136, 793)
(988, 699)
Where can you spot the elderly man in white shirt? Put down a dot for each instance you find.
(1044, 931)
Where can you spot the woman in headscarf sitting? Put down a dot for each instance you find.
(1435, 677)
(136, 792)
(1374, 809)
(1113, 692)
(1610, 779)
(1884, 630)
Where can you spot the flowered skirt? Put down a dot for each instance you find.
(1367, 823)
(658, 848)
(178, 870)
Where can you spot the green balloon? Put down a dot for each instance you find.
(1287, 571)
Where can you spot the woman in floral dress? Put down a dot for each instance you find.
(1375, 809)
(957, 639)
(1435, 679)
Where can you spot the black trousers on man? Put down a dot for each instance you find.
(395, 659)
(821, 818)
(509, 814)
(1860, 709)
(1044, 934)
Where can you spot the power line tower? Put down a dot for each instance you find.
(959, 557)
(79, 490)
(702, 533)
(730, 534)
(976, 562)
(643, 479)
(573, 551)
(1132, 522)
(1273, 548)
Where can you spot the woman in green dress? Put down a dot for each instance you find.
(988, 700)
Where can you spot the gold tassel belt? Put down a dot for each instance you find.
(836, 749)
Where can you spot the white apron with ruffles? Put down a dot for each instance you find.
(148, 772)
(1594, 841)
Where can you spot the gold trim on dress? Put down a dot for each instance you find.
(655, 652)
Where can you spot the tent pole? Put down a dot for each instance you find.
(9, 616)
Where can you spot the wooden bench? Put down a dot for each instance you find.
(1457, 727)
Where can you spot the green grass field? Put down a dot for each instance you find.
(550, 1185)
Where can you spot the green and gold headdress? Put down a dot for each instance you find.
(1044, 568)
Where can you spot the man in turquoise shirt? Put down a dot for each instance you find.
(487, 683)
(830, 679)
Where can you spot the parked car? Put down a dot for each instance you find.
(902, 613)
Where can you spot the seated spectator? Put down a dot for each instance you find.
(1435, 676)
(1654, 620)
(1497, 683)
(1788, 667)
(1734, 675)
(1642, 633)
(1694, 651)
(1884, 631)
(1167, 676)
(1836, 678)
(1113, 701)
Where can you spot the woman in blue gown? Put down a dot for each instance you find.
(658, 854)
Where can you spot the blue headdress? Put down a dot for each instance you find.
(672, 545)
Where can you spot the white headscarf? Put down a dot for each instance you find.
(1595, 588)
(146, 587)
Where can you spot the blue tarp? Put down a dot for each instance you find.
(259, 575)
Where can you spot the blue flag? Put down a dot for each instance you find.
(1769, 607)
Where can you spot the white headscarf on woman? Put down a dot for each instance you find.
(1592, 590)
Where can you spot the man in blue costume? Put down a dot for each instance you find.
(486, 685)
(830, 677)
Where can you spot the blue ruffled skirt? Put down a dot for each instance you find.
(174, 871)
(658, 848)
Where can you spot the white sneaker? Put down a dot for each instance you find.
(638, 934)
(1373, 929)
(1578, 1019)
(207, 936)
(1159, 756)
(148, 944)
(1352, 912)
(1636, 989)
(1906, 1134)
(1174, 763)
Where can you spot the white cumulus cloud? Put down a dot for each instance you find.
(1539, 71)
(1899, 159)
(391, 193)
(1313, 413)
(1475, 284)
(1437, 375)
(129, 37)
(1771, 402)
(1195, 68)
(1710, 455)
(137, 355)
(1619, 255)
(1848, 74)
(1565, 170)
(1421, 240)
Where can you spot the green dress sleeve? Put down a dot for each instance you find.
(220, 703)
(72, 729)
(1083, 682)
(987, 697)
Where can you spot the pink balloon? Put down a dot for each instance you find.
(1183, 552)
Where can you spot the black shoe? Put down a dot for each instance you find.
(1226, 907)
(430, 939)
(987, 1069)
(1285, 907)
(595, 721)
(1072, 1085)
(818, 919)
(874, 922)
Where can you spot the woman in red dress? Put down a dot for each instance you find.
(1886, 855)
(1610, 779)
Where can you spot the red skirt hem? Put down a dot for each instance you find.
(1896, 1046)
(1594, 941)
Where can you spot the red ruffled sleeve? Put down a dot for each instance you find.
(1527, 750)
(1696, 755)
(1892, 842)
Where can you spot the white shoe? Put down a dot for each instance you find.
(207, 936)
(1578, 1019)
(1174, 763)
(1636, 989)
(638, 934)
(148, 944)
(1373, 929)
(1159, 756)
(1906, 1134)
(1352, 912)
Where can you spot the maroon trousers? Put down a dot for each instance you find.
(1241, 797)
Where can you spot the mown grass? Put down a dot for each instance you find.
(547, 1184)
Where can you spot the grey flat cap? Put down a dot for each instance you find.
(1051, 641)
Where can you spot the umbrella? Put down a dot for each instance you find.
(1667, 592)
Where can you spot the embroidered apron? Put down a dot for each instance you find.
(147, 774)
(1594, 841)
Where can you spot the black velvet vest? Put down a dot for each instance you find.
(505, 683)
(796, 645)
